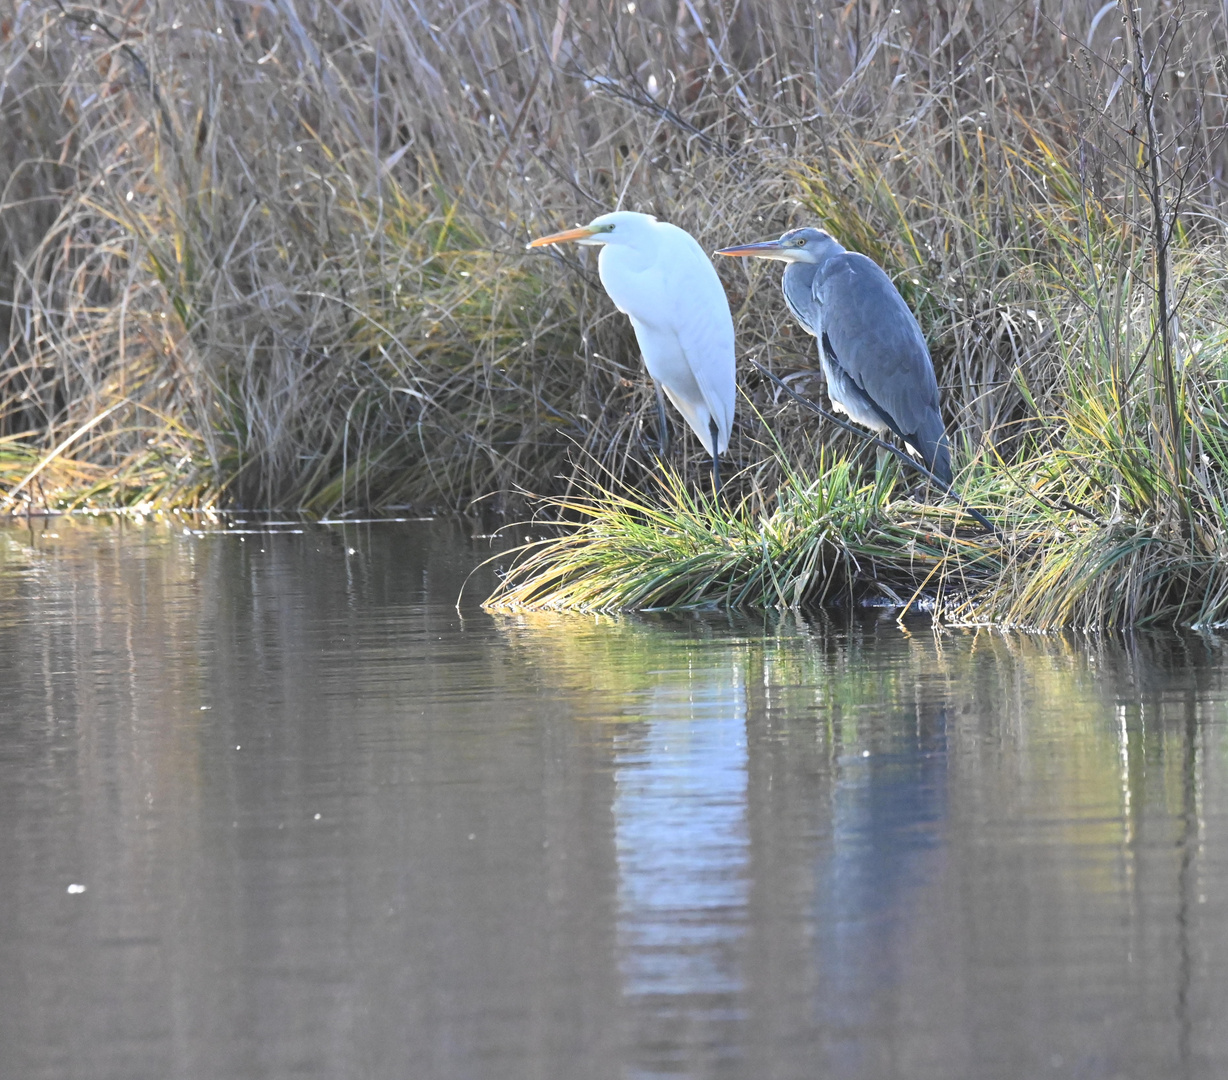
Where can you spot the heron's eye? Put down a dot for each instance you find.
(802, 242)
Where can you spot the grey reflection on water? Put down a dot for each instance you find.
(888, 809)
(681, 838)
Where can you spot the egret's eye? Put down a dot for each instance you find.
(801, 242)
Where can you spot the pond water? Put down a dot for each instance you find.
(272, 806)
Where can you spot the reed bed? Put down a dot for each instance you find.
(272, 255)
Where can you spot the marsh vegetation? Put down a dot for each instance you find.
(274, 256)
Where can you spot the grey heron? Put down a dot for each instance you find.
(871, 350)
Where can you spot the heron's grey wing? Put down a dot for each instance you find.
(876, 340)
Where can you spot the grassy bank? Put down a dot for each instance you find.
(1088, 538)
(1107, 513)
(286, 250)
(274, 256)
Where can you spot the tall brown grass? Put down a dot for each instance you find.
(283, 243)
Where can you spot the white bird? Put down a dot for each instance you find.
(661, 279)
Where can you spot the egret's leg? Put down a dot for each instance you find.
(716, 460)
(662, 421)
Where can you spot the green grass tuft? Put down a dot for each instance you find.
(836, 537)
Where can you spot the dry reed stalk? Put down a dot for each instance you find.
(290, 238)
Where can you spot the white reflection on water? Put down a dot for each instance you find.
(682, 844)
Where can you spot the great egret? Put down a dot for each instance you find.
(872, 351)
(660, 278)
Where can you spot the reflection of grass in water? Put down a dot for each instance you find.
(606, 661)
(1044, 729)
(1064, 731)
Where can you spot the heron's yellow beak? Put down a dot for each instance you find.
(557, 238)
(765, 249)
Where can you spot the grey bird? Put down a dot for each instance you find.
(872, 352)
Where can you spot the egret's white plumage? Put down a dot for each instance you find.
(660, 278)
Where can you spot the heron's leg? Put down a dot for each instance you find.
(881, 456)
(662, 421)
(716, 459)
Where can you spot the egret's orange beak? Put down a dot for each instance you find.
(557, 238)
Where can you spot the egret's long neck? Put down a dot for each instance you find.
(797, 283)
(619, 267)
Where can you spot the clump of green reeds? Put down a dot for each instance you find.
(837, 537)
(276, 257)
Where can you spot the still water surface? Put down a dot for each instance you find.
(270, 806)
